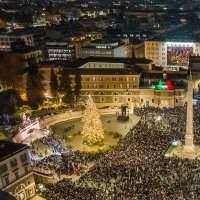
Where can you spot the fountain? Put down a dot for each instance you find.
(92, 130)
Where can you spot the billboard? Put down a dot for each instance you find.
(178, 55)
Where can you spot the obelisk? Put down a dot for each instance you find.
(189, 148)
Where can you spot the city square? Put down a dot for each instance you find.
(99, 100)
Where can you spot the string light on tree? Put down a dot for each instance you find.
(92, 130)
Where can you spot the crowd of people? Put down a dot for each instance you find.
(67, 163)
(137, 168)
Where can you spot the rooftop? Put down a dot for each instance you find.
(21, 32)
(109, 71)
(136, 70)
(114, 60)
(79, 62)
(8, 149)
(171, 75)
(185, 33)
(6, 196)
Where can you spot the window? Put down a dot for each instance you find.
(3, 168)
(26, 169)
(152, 100)
(5, 180)
(141, 100)
(129, 99)
(23, 157)
(13, 162)
(16, 174)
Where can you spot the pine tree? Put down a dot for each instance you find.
(53, 84)
(77, 89)
(9, 101)
(92, 130)
(65, 88)
(35, 87)
(11, 71)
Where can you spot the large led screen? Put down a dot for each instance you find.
(178, 55)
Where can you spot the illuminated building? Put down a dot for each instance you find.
(115, 81)
(8, 38)
(15, 170)
(60, 51)
(104, 48)
(171, 55)
(28, 54)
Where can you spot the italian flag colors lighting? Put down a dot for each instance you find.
(163, 85)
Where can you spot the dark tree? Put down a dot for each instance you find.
(11, 70)
(10, 102)
(65, 88)
(53, 84)
(35, 87)
(77, 89)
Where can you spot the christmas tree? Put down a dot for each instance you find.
(92, 130)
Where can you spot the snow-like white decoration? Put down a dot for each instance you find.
(92, 130)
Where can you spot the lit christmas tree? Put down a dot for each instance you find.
(92, 130)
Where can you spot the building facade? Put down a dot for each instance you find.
(171, 55)
(60, 51)
(101, 48)
(7, 39)
(16, 176)
(113, 82)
